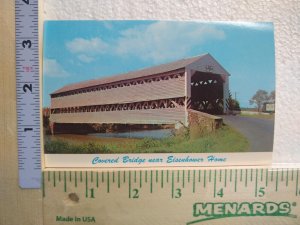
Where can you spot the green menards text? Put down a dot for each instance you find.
(218, 210)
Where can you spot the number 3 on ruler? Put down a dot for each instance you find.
(26, 43)
(178, 193)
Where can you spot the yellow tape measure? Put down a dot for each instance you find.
(197, 196)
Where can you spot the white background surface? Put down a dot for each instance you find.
(284, 13)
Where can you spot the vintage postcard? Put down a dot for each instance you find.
(158, 93)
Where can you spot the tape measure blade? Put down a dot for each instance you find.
(28, 95)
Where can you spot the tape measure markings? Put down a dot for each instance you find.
(27, 88)
(297, 184)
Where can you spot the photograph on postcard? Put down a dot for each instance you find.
(119, 93)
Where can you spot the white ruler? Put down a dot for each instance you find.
(28, 99)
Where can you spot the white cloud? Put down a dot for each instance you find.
(248, 25)
(87, 49)
(52, 68)
(162, 41)
(87, 46)
(158, 42)
(84, 58)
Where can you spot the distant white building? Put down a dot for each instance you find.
(269, 106)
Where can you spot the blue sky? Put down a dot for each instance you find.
(74, 51)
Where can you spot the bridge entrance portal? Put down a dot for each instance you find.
(207, 93)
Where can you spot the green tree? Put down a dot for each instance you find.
(259, 98)
(271, 96)
(232, 104)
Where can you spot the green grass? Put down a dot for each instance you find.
(259, 116)
(225, 139)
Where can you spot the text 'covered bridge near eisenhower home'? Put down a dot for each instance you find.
(165, 94)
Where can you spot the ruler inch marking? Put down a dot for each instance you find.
(65, 181)
(167, 176)
(256, 174)
(215, 182)
(267, 177)
(141, 179)
(183, 178)
(162, 179)
(276, 186)
(194, 174)
(225, 179)
(246, 178)
(97, 179)
(129, 184)
(151, 180)
(297, 177)
(108, 184)
(241, 175)
(204, 182)
(287, 177)
(75, 172)
(54, 184)
(172, 184)
(86, 184)
(119, 179)
(43, 184)
(235, 181)
(272, 175)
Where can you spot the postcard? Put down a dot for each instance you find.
(158, 93)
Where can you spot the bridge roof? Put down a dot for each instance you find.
(179, 64)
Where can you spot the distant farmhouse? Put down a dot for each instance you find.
(163, 94)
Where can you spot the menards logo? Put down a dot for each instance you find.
(211, 211)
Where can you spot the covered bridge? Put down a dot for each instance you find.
(162, 94)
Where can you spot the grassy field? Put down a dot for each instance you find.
(225, 139)
(259, 115)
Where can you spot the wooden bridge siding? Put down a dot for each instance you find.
(162, 89)
(225, 93)
(149, 116)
